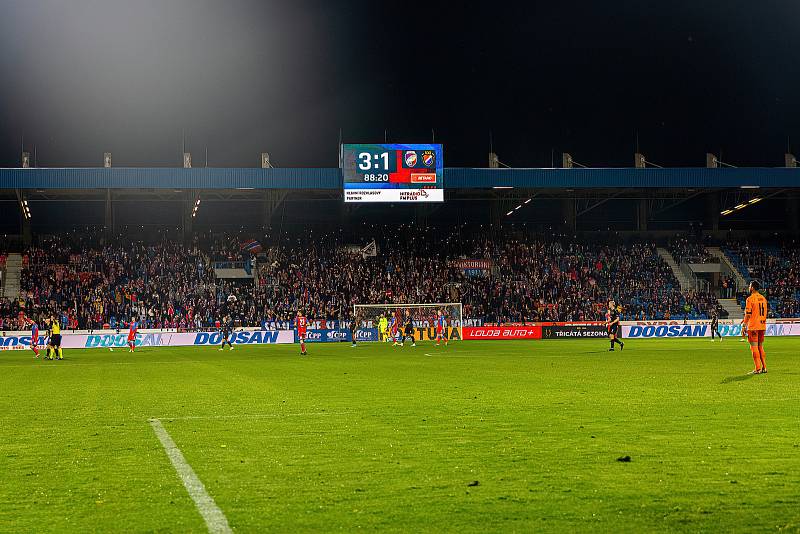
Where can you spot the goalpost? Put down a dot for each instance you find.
(424, 317)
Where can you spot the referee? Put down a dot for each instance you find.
(55, 340)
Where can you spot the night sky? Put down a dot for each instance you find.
(81, 77)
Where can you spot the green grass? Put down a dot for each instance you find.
(389, 439)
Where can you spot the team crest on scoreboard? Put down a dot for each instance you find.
(428, 158)
(411, 158)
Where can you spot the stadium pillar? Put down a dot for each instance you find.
(187, 225)
(569, 214)
(421, 215)
(109, 218)
(495, 213)
(27, 233)
(712, 202)
(642, 215)
(189, 211)
(273, 198)
(793, 213)
(24, 217)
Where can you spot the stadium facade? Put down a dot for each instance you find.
(573, 200)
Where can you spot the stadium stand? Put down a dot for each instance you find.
(688, 249)
(776, 267)
(169, 285)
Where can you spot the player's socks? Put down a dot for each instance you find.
(60, 354)
(756, 359)
(762, 358)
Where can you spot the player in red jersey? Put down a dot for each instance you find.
(133, 326)
(440, 322)
(397, 320)
(34, 336)
(302, 325)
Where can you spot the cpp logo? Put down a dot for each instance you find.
(336, 334)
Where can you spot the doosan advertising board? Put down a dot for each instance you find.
(662, 329)
(152, 339)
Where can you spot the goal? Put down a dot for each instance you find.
(424, 317)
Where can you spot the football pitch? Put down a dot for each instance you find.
(476, 437)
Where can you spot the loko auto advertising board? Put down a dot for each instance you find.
(503, 332)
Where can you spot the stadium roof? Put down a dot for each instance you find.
(331, 178)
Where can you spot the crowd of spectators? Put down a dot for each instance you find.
(688, 249)
(776, 267)
(89, 284)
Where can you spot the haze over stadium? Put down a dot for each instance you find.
(316, 266)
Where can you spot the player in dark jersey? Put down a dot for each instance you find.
(715, 326)
(226, 332)
(612, 323)
(408, 331)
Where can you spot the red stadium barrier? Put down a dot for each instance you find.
(503, 332)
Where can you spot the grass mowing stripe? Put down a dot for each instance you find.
(213, 516)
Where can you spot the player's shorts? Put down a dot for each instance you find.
(755, 336)
(55, 340)
(225, 336)
(34, 342)
(132, 338)
(301, 335)
(613, 330)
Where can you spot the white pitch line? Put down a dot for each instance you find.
(213, 516)
(247, 416)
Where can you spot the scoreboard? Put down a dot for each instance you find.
(393, 173)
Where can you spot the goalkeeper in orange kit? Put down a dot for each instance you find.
(755, 323)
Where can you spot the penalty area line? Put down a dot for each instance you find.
(213, 516)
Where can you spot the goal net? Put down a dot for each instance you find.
(423, 316)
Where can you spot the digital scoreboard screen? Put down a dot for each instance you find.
(393, 173)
